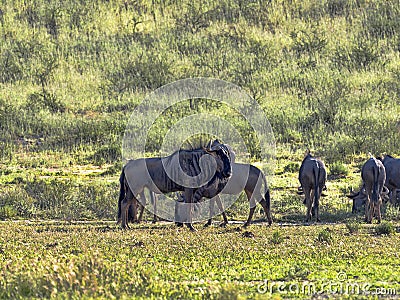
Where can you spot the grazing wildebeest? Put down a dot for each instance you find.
(312, 177)
(392, 168)
(359, 198)
(373, 175)
(155, 174)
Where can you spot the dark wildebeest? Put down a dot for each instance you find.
(312, 177)
(155, 174)
(373, 175)
(392, 168)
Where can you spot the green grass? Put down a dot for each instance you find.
(99, 260)
(326, 73)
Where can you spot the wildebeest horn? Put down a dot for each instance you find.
(352, 195)
(385, 191)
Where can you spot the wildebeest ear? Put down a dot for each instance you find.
(300, 191)
(385, 190)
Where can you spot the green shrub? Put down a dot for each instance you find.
(292, 167)
(325, 236)
(385, 228)
(353, 226)
(7, 212)
(277, 237)
(337, 168)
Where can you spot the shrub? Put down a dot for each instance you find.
(385, 228)
(325, 236)
(277, 237)
(337, 168)
(353, 226)
(292, 167)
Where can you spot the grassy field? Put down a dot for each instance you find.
(325, 73)
(42, 259)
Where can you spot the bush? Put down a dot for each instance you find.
(325, 236)
(277, 237)
(292, 167)
(353, 226)
(337, 168)
(385, 228)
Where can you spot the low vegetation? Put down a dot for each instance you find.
(98, 260)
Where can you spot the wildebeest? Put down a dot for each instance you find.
(247, 178)
(184, 170)
(312, 177)
(392, 182)
(250, 179)
(359, 198)
(373, 175)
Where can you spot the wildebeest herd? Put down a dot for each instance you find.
(194, 177)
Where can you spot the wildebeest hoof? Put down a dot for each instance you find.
(223, 224)
(248, 234)
(179, 224)
(207, 225)
(318, 220)
(191, 228)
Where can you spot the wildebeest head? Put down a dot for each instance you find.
(359, 198)
(221, 151)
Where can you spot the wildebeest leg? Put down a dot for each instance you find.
(141, 204)
(252, 208)
(177, 215)
(378, 212)
(267, 210)
(139, 219)
(307, 193)
(153, 199)
(316, 203)
(393, 196)
(368, 210)
(221, 208)
(189, 208)
(212, 203)
(129, 200)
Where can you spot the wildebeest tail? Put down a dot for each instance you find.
(375, 189)
(121, 191)
(316, 185)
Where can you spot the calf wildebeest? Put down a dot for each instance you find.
(392, 168)
(254, 179)
(312, 177)
(155, 174)
(373, 175)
